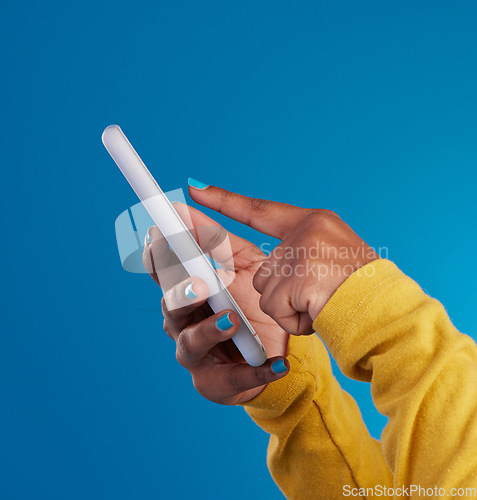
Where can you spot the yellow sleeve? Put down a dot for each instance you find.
(382, 328)
(318, 443)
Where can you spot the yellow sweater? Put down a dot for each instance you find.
(380, 327)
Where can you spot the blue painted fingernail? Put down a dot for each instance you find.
(197, 184)
(148, 235)
(279, 366)
(190, 294)
(224, 323)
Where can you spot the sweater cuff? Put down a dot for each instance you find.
(354, 314)
(277, 396)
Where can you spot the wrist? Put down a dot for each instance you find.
(333, 277)
(276, 396)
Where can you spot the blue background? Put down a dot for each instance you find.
(364, 108)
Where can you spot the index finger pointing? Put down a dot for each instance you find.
(269, 217)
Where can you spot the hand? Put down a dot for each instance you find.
(318, 251)
(218, 370)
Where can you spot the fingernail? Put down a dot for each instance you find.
(279, 366)
(153, 233)
(196, 184)
(146, 242)
(148, 236)
(224, 323)
(190, 294)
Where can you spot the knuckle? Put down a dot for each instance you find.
(158, 249)
(255, 206)
(264, 305)
(266, 269)
(329, 213)
(215, 237)
(174, 299)
(259, 205)
(225, 195)
(274, 303)
(322, 220)
(166, 325)
(314, 217)
(260, 376)
(179, 355)
(323, 212)
(263, 272)
(165, 311)
(170, 308)
(201, 335)
(235, 381)
(181, 350)
(313, 294)
(147, 261)
(167, 302)
(257, 282)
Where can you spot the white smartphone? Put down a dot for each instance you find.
(180, 239)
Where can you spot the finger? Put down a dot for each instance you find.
(269, 217)
(240, 377)
(214, 240)
(195, 341)
(181, 302)
(263, 274)
(293, 318)
(160, 261)
(269, 269)
(147, 259)
(227, 276)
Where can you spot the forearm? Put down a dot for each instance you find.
(318, 441)
(384, 329)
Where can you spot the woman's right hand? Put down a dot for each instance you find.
(203, 339)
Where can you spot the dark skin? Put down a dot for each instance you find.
(218, 370)
(276, 303)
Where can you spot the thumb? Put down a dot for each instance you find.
(269, 217)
